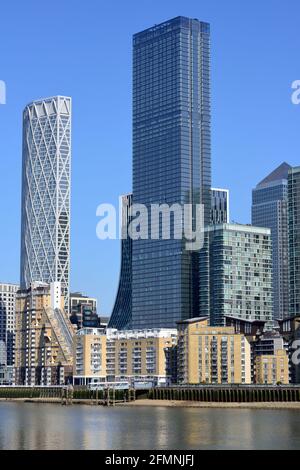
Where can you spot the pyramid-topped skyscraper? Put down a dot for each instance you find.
(269, 209)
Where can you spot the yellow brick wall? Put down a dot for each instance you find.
(197, 355)
(271, 369)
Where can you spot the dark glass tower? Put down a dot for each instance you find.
(294, 240)
(269, 209)
(121, 314)
(171, 161)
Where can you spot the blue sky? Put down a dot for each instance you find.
(83, 49)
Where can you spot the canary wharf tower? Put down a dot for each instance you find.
(171, 162)
(45, 238)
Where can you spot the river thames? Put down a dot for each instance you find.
(50, 426)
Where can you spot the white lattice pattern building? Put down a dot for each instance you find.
(45, 245)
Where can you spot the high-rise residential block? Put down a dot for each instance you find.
(45, 238)
(171, 163)
(220, 206)
(236, 274)
(210, 354)
(294, 240)
(44, 337)
(7, 321)
(122, 310)
(269, 209)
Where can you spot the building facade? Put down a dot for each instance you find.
(44, 337)
(272, 369)
(7, 322)
(45, 238)
(122, 311)
(171, 163)
(212, 355)
(77, 298)
(141, 356)
(270, 359)
(236, 274)
(90, 318)
(89, 356)
(294, 240)
(80, 303)
(220, 206)
(270, 209)
(290, 331)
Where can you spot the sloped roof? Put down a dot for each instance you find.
(280, 173)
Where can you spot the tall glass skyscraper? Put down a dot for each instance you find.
(171, 162)
(121, 314)
(269, 209)
(294, 239)
(45, 238)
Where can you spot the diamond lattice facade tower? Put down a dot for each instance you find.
(45, 242)
(171, 162)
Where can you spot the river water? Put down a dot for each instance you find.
(43, 426)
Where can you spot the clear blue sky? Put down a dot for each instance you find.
(83, 49)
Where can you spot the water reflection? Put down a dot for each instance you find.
(33, 426)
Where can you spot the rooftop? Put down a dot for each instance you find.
(193, 320)
(244, 320)
(235, 227)
(280, 173)
(169, 24)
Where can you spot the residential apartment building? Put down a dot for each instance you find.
(79, 303)
(44, 336)
(270, 359)
(131, 357)
(290, 331)
(272, 369)
(236, 274)
(138, 356)
(212, 355)
(7, 322)
(89, 356)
